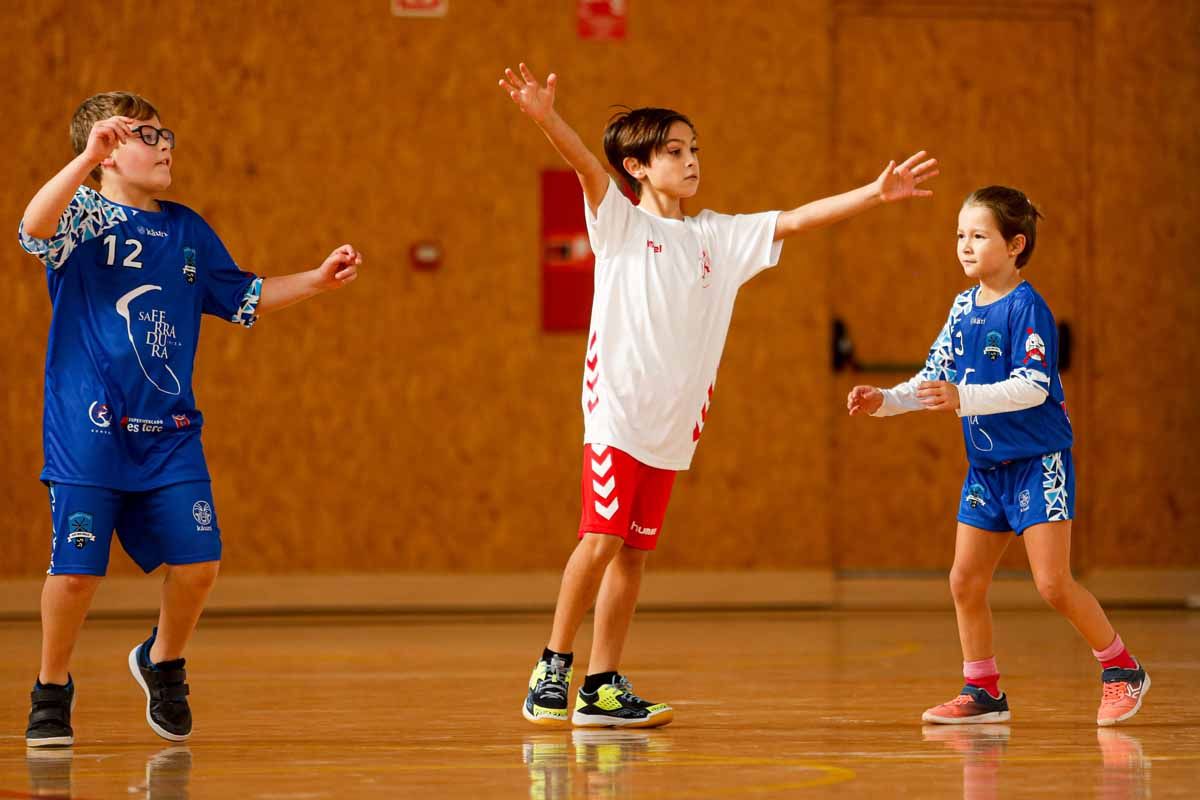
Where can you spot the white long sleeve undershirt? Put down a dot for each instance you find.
(1016, 393)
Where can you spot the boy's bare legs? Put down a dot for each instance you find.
(184, 593)
(614, 608)
(65, 603)
(580, 583)
(976, 554)
(1049, 549)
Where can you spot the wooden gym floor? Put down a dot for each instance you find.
(796, 704)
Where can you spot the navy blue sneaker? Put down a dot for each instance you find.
(165, 685)
(50, 715)
(972, 706)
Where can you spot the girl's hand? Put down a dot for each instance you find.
(900, 182)
(864, 400)
(938, 395)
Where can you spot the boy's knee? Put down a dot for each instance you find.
(601, 546)
(75, 584)
(199, 576)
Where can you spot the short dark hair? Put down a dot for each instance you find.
(638, 133)
(102, 106)
(1014, 212)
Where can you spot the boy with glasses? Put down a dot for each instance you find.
(129, 277)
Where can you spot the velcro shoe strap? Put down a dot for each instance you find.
(50, 714)
(177, 692)
(50, 694)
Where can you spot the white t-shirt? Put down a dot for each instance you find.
(664, 298)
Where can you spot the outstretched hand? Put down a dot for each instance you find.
(864, 400)
(339, 269)
(531, 97)
(901, 182)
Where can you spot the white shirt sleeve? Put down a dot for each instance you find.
(608, 228)
(901, 398)
(747, 244)
(1013, 394)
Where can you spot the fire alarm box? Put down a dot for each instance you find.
(567, 261)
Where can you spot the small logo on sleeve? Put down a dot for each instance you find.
(1035, 348)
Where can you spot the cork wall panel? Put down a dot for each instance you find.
(1146, 286)
(421, 421)
(974, 90)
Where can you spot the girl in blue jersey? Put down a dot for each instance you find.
(129, 277)
(995, 364)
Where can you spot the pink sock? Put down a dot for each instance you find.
(983, 674)
(1115, 655)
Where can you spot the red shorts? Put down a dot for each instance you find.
(623, 497)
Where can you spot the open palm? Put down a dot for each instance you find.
(531, 97)
(901, 182)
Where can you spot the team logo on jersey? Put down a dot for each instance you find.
(189, 265)
(202, 513)
(81, 532)
(705, 269)
(991, 347)
(1035, 348)
(1023, 500)
(975, 495)
(652, 247)
(181, 420)
(100, 414)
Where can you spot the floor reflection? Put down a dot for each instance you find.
(598, 763)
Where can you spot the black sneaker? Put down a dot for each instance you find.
(50, 715)
(546, 702)
(614, 705)
(166, 689)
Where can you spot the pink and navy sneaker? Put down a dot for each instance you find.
(972, 706)
(1123, 693)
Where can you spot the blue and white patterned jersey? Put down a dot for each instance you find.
(1014, 337)
(127, 288)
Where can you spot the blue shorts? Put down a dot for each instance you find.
(1018, 494)
(172, 525)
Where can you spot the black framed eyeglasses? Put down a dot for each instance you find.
(150, 135)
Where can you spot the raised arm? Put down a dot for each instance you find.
(538, 102)
(41, 216)
(894, 183)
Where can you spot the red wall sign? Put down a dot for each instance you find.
(567, 260)
(420, 8)
(603, 20)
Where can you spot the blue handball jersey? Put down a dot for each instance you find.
(127, 289)
(1012, 337)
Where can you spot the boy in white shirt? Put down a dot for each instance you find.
(665, 288)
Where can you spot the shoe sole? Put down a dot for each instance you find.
(1131, 712)
(154, 726)
(546, 721)
(55, 741)
(977, 719)
(594, 721)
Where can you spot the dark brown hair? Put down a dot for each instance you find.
(638, 133)
(102, 106)
(1014, 213)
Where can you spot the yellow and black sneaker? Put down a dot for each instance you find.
(546, 702)
(614, 705)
